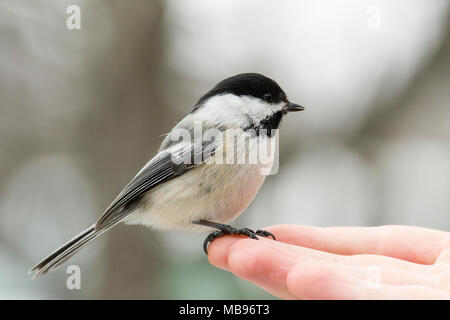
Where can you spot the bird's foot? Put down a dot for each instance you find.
(226, 229)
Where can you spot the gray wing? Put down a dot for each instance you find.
(166, 165)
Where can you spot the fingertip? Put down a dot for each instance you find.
(261, 264)
(218, 251)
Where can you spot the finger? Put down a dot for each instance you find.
(357, 260)
(218, 251)
(319, 281)
(419, 245)
(263, 265)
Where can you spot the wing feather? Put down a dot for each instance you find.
(166, 165)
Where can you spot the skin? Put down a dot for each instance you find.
(341, 262)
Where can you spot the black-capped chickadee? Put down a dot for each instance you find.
(197, 184)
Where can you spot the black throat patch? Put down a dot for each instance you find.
(265, 126)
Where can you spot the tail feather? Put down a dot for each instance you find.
(62, 254)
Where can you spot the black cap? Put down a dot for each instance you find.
(247, 84)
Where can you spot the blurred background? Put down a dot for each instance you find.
(83, 110)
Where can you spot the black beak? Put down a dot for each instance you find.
(292, 107)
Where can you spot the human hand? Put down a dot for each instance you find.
(387, 262)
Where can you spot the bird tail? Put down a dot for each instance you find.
(62, 254)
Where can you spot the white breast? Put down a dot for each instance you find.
(214, 192)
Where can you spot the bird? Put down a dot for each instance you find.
(196, 184)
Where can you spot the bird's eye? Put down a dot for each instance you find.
(268, 97)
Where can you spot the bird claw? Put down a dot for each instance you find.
(265, 234)
(230, 230)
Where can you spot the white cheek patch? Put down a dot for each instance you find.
(229, 109)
